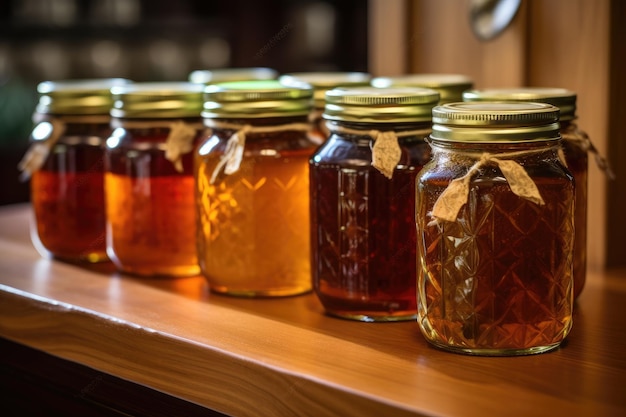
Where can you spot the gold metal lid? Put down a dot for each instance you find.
(380, 105)
(77, 97)
(324, 81)
(495, 122)
(232, 74)
(160, 100)
(450, 86)
(248, 99)
(564, 99)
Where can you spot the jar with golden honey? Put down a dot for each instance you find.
(449, 86)
(576, 145)
(149, 180)
(322, 82)
(363, 201)
(65, 164)
(252, 194)
(495, 217)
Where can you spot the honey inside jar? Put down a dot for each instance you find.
(497, 278)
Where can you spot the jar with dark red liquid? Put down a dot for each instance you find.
(363, 201)
(576, 146)
(495, 221)
(149, 181)
(65, 164)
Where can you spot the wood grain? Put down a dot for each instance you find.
(276, 357)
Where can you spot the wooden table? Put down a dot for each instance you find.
(284, 357)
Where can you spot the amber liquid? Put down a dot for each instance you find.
(498, 281)
(577, 163)
(67, 195)
(253, 226)
(150, 213)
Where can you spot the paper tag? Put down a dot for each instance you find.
(178, 143)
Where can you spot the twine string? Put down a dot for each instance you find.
(455, 195)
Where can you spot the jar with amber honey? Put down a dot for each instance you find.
(449, 86)
(495, 217)
(576, 145)
(252, 194)
(65, 164)
(149, 181)
(321, 83)
(363, 201)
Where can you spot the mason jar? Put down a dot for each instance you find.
(495, 217)
(252, 189)
(576, 146)
(65, 165)
(363, 201)
(149, 180)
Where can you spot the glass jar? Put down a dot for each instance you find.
(149, 181)
(252, 192)
(322, 82)
(363, 201)
(65, 164)
(575, 145)
(221, 75)
(449, 86)
(495, 215)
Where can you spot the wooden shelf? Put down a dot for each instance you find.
(284, 356)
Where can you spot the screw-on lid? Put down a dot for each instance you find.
(495, 122)
(450, 86)
(160, 100)
(232, 74)
(380, 105)
(259, 99)
(324, 81)
(564, 99)
(77, 97)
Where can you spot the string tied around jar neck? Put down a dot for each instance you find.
(45, 134)
(584, 141)
(453, 198)
(179, 140)
(230, 161)
(386, 151)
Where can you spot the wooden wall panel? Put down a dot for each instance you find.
(559, 43)
(440, 40)
(569, 47)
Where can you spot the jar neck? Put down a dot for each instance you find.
(215, 122)
(503, 147)
(367, 127)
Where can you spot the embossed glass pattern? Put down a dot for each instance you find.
(253, 225)
(498, 279)
(363, 240)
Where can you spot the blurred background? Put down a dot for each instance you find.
(575, 44)
(159, 40)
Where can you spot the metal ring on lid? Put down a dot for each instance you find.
(256, 99)
(232, 74)
(324, 81)
(495, 122)
(450, 86)
(562, 98)
(380, 105)
(77, 97)
(157, 100)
